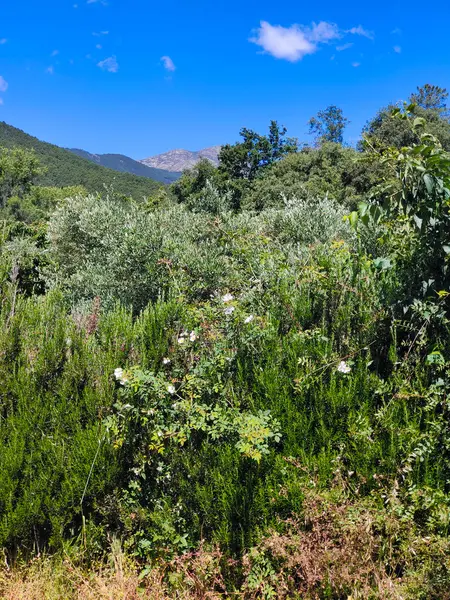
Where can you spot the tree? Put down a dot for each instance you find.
(328, 170)
(429, 103)
(19, 168)
(191, 185)
(430, 97)
(328, 125)
(246, 159)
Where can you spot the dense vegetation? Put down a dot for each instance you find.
(62, 168)
(238, 386)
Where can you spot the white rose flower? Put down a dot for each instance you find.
(343, 367)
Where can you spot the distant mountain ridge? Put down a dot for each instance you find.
(125, 164)
(178, 160)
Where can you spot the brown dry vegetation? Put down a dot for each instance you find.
(337, 549)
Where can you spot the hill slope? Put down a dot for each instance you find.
(125, 164)
(178, 160)
(65, 168)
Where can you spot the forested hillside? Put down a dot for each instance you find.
(63, 168)
(237, 388)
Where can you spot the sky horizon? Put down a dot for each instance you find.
(110, 76)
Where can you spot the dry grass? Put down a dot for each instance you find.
(337, 549)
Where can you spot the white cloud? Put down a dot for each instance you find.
(97, 1)
(396, 31)
(356, 64)
(98, 46)
(3, 84)
(110, 64)
(50, 70)
(3, 41)
(294, 42)
(168, 63)
(54, 53)
(344, 47)
(100, 33)
(361, 31)
(397, 49)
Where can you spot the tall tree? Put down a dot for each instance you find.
(328, 125)
(246, 159)
(430, 97)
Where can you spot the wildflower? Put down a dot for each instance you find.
(343, 367)
(171, 389)
(227, 298)
(192, 336)
(118, 373)
(249, 319)
(229, 311)
(166, 361)
(181, 339)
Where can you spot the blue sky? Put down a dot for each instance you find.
(140, 77)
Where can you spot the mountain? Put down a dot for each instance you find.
(66, 168)
(125, 164)
(178, 160)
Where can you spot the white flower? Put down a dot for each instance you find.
(227, 298)
(166, 361)
(229, 310)
(343, 367)
(69, 342)
(181, 340)
(249, 319)
(192, 336)
(171, 389)
(118, 373)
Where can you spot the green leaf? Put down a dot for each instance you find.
(382, 263)
(435, 358)
(418, 221)
(429, 183)
(419, 122)
(353, 218)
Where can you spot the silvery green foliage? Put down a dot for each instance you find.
(100, 246)
(118, 251)
(309, 220)
(211, 200)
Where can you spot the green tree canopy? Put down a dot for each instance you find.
(430, 104)
(328, 125)
(18, 170)
(247, 159)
